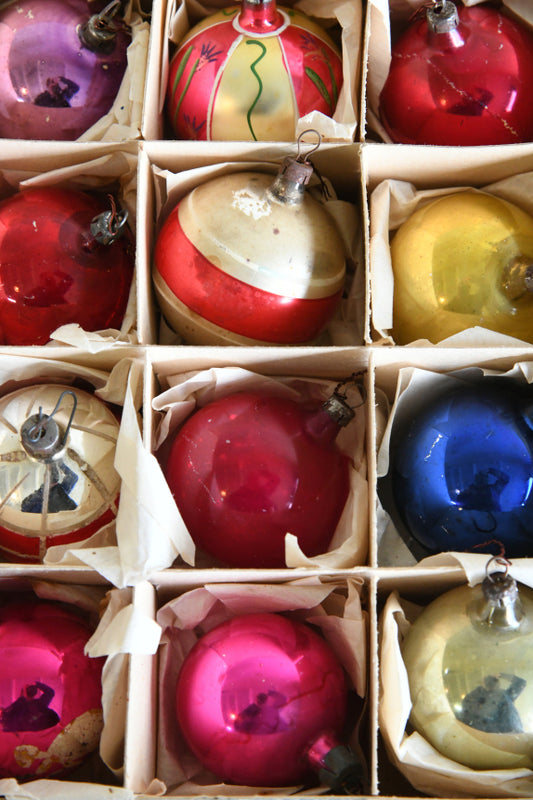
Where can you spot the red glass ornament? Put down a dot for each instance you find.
(460, 76)
(250, 467)
(262, 701)
(58, 484)
(50, 691)
(61, 261)
(248, 258)
(61, 67)
(248, 73)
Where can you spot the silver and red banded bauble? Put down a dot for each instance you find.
(58, 484)
(250, 72)
(61, 66)
(65, 257)
(50, 691)
(247, 259)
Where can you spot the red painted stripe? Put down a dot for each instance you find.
(232, 304)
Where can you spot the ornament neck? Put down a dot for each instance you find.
(444, 30)
(325, 423)
(260, 17)
(99, 33)
(289, 184)
(501, 607)
(517, 279)
(42, 437)
(335, 764)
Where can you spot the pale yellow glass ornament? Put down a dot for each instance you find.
(469, 659)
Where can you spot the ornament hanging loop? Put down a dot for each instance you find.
(304, 158)
(42, 437)
(501, 561)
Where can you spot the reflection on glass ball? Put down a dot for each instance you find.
(462, 470)
(471, 679)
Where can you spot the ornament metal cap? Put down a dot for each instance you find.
(342, 772)
(99, 33)
(337, 405)
(109, 226)
(294, 174)
(442, 17)
(502, 608)
(517, 278)
(41, 436)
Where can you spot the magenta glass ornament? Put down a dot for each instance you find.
(50, 691)
(460, 76)
(249, 72)
(62, 260)
(61, 67)
(261, 701)
(250, 467)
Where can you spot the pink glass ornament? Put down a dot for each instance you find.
(50, 691)
(250, 467)
(460, 76)
(61, 67)
(249, 73)
(58, 484)
(61, 261)
(248, 258)
(262, 701)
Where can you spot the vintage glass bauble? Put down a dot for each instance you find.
(463, 260)
(50, 691)
(249, 73)
(250, 467)
(247, 259)
(58, 484)
(469, 661)
(61, 67)
(261, 701)
(460, 76)
(461, 469)
(62, 260)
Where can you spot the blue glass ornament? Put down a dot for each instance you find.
(462, 471)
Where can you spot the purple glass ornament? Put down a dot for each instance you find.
(261, 701)
(61, 67)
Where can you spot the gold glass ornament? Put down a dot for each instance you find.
(469, 658)
(463, 260)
